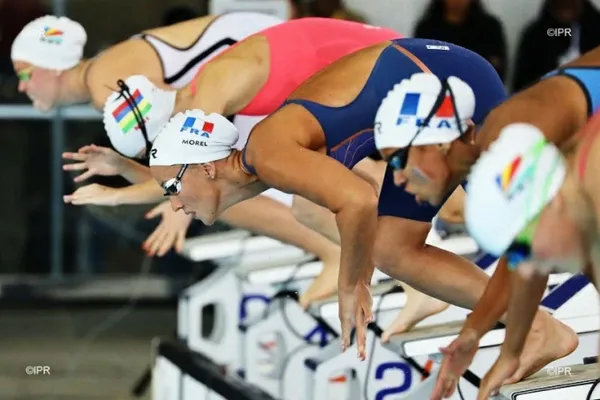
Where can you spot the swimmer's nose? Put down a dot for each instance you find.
(175, 203)
(399, 178)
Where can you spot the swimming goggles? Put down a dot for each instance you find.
(173, 186)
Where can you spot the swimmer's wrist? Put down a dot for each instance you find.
(122, 165)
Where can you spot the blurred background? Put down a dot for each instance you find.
(77, 291)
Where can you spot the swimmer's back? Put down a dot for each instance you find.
(300, 48)
(344, 98)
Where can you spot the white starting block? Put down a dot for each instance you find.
(277, 347)
(222, 297)
(576, 305)
(180, 374)
(564, 383)
(237, 247)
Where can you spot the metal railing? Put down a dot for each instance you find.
(58, 118)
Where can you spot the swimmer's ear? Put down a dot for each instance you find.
(469, 135)
(445, 147)
(209, 170)
(557, 203)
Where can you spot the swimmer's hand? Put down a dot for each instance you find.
(356, 311)
(505, 366)
(457, 358)
(93, 194)
(169, 233)
(96, 160)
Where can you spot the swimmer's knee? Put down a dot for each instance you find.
(397, 239)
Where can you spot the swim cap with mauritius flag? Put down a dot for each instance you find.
(194, 137)
(143, 101)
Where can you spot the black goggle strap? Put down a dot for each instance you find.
(126, 94)
(438, 103)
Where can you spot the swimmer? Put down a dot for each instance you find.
(553, 213)
(251, 80)
(309, 146)
(558, 106)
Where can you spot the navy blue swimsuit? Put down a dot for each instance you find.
(349, 129)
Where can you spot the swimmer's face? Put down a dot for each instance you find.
(40, 85)
(457, 5)
(195, 192)
(557, 244)
(424, 173)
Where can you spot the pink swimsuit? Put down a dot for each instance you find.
(300, 48)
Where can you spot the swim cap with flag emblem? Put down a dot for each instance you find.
(154, 107)
(510, 185)
(194, 137)
(403, 112)
(50, 42)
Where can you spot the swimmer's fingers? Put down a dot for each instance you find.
(155, 240)
(157, 211)
(347, 308)
(86, 175)
(74, 156)
(180, 241)
(92, 148)
(166, 243)
(361, 334)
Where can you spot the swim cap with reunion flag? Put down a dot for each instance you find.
(510, 185)
(50, 42)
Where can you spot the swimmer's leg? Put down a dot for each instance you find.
(268, 217)
(400, 252)
(321, 220)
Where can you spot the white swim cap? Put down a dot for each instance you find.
(50, 42)
(510, 185)
(194, 138)
(155, 106)
(406, 106)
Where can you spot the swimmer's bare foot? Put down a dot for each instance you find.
(323, 286)
(548, 340)
(418, 307)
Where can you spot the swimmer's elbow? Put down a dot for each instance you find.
(364, 203)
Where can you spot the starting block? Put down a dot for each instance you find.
(237, 247)
(179, 373)
(560, 383)
(224, 299)
(575, 303)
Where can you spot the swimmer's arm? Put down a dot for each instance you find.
(147, 192)
(493, 304)
(591, 178)
(557, 116)
(524, 300)
(224, 86)
(133, 171)
(326, 182)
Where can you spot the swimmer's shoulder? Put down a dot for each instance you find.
(348, 74)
